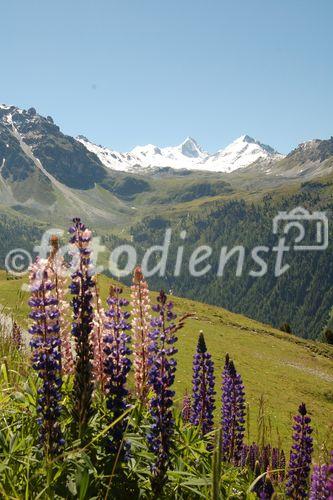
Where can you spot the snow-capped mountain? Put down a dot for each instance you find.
(188, 155)
(239, 154)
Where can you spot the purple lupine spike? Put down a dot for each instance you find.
(186, 408)
(46, 356)
(318, 489)
(203, 401)
(233, 413)
(253, 456)
(300, 455)
(267, 489)
(278, 463)
(81, 288)
(117, 365)
(329, 482)
(275, 458)
(265, 457)
(161, 378)
(244, 455)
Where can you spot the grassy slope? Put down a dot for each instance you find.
(285, 369)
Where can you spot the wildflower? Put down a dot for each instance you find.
(161, 377)
(267, 490)
(46, 356)
(300, 455)
(318, 489)
(233, 413)
(141, 317)
(59, 277)
(278, 463)
(117, 365)
(253, 456)
(329, 482)
(97, 340)
(81, 289)
(203, 404)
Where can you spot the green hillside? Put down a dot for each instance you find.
(282, 368)
(302, 296)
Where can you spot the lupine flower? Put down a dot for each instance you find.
(278, 462)
(300, 456)
(17, 335)
(161, 377)
(59, 275)
(275, 458)
(46, 355)
(318, 489)
(186, 408)
(233, 413)
(329, 483)
(117, 366)
(140, 304)
(203, 401)
(252, 455)
(265, 458)
(267, 489)
(81, 289)
(97, 340)
(282, 466)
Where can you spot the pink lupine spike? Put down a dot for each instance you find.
(97, 336)
(58, 275)
(140, 304)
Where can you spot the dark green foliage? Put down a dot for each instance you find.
(17, 232)
(126, 186)
(201, 343)
(329, 336)
(285, 327)
(302, 296)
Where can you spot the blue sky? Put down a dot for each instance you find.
(134, 72)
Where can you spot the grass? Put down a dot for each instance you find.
(283, 369)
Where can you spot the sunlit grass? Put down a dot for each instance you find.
(284, 369)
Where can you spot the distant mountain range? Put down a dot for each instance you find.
(47, 174)
(78, 163)
(189, 155)
(230, 197)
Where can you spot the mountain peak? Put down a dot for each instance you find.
(248, 139)
(191, 148)
(189, 139)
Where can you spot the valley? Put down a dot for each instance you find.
(48, 177)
